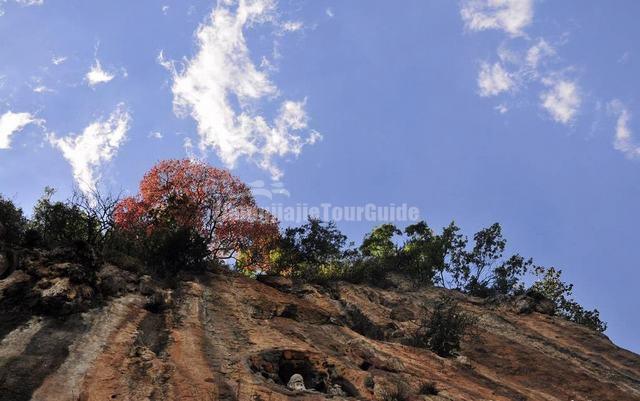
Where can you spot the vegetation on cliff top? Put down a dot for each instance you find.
(191, 216)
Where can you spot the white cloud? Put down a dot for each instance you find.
(292, 26)
(156, 135)
(165, 9)
(164, 62)
(187, 144)
(562, 100)
(57, 60)
(221, 87)
(623, 140)
(520, 67)
(278, 140)
(30, 2)
(97, 75)
(538, 52)
(42, 89)
(98, 144)
(11, 123)
(22, 3)
(511, 16)
(493, 80)
(527, 65)
(508, 56)
(329, 12)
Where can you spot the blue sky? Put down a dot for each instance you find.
(516, 111)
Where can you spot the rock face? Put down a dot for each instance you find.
(336, 390)
(222, 336)
(534, 302)
(114, 281)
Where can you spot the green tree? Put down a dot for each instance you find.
(61, 223)
(12, 222)
(454, 248)
(172, 248)
(549, 283)
(423, 253)
(481, 270)
(379, 242)
(378, 255)
(507, 276)
(443, 328)
(308, 250)
(488, 248)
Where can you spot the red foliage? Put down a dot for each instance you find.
(191, 194)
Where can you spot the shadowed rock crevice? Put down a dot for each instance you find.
(153, 334)
(46, 351)
(15, 302)
(12, 319)
(361, 324)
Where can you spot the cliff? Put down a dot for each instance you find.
(222, 336)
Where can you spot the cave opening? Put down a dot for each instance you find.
(279, 365)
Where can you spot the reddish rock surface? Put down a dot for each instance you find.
(221, 336)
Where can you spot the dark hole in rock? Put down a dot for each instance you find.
(349, 389)
(289, 311)
(279, 365)
(313, 380)
(365, 365)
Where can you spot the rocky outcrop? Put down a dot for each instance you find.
(533, 301)
(222, 336)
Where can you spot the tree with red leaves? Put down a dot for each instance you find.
(192, 197)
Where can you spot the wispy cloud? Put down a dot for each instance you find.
(98, 144)
(187, 144)
(221, 89)
(57, 60)
(30, 2)
(493, 80)
(24, 3)
(623, 139)
(156, 135)
(523, 66)
(538, 53)
(511, 16)
(42, 89)
(501, 108)
(97, 75)
(522, 69)
(292, 26)
(562, 100)
(624, 59)
(11, 123)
